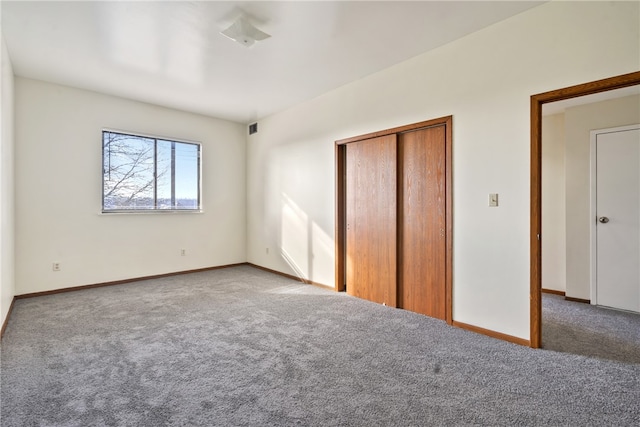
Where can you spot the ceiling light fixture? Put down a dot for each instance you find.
(244, 33)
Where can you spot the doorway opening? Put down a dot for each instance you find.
(537, 102)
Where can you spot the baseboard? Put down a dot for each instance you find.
(291, 276)
(6, 319)
(553, 291)
(124, 281)
(586, 301)
(492, 334)
(563, 294)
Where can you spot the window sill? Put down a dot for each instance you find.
(153, 212)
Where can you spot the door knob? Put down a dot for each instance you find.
(603, 219)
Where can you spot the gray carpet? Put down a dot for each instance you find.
(579, 328)
(242, 347)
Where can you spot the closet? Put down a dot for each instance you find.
(394, 217)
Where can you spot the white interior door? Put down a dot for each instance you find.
(618, 218)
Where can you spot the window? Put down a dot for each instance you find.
(141, 173)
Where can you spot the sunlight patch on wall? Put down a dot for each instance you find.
(303, 243)
(294, 239)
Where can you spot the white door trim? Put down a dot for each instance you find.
(593, 220)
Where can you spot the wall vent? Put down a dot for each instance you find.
(253, 128)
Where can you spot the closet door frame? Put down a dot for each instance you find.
(340, 219)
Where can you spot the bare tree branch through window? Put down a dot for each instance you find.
(144, 173)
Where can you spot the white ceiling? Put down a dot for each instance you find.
(171, 53)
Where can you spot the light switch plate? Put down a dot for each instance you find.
(493, 200)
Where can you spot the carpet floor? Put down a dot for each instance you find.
(243, 347)
(578, 328)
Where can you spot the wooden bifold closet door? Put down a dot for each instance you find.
(395, 211)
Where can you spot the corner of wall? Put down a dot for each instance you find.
(7, 186)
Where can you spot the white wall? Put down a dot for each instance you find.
(485, 80)
(579, 121)
(554, 259)
(58, 192)
(7, 276)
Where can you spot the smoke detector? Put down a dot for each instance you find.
(244, 33)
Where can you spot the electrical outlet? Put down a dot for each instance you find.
(183, 252)
(56, 266)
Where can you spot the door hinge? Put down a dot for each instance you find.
(538, 236)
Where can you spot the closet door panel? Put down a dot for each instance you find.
(371, 219)
(422, 222)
